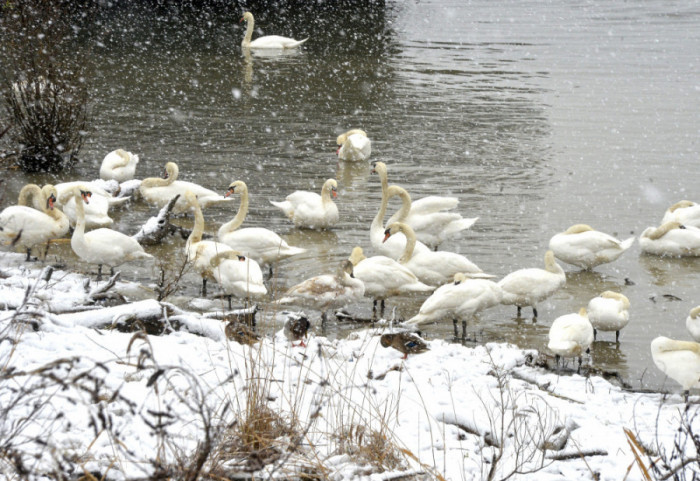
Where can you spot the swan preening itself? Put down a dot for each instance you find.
(684, 212)
(671, 239)
(609, 312)
(586, 248)
(384, 277)
(268, 41)
(353, 145)
(258, 243)
(119, 165)
(102, 246)
(326, 291)
(527, 287)
(159, 191)
(571, 335)
(310, 210)
(96, 212)
(238, 275)
(692, 323)
(679, 360)
(459, 300)
(27, 227)
(427, 216)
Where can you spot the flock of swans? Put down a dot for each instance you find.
(408, 261)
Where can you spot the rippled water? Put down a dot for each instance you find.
(536, 115)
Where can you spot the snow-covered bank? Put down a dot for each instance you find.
(76, 396)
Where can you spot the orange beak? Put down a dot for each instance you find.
(386, 236)
(335, 194)
(229, 192)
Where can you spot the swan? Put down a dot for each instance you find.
(692, 323)
(296, 328)
(461, 299)
(609, 312)
(404, 342)
(571, 335)
(353, 145)
(258, 243)
(432, 268)
(102, 246)
(119, 165)
(310, 210)
(96, 212)
(326, 291)
(268, 41)
(527, 287)
(200, 252)
(679, 360)
(671, 239)
(427, 216)
(586, 248)
(238, 275)
(21, 225)
(159, 191)
(383, 277)
(684, 212)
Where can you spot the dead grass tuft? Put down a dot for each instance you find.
(367, 446)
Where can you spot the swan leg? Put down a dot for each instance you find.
(204, 287)
(519, 310)
(580, 362)
(99, 272)
(374, 309)
(686, 395)
(454, 324)
(556, 360)
(464, 330)
(29, 255)
(229, 301)
(617, 337)
(534, 313)
(595, 333)
(381, 311)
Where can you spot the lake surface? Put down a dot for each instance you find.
(536, 115)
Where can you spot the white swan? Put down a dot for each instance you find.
(609, 312)
(21, 225)
(238, 275)
(586, 248)
(571, 335)
(269, 41)
(310, 210)
(102, 246)
(326, 291)
(684, 212)
(395, 245)
(432, 268)
(427, 216)
(159, 191)
(258, 243)
(354, 145)
(692, 323)
(96, 212)
(119, 165)
(383, 277)
(679, 360)
(671, 239)
(527, 287)
(459, 300)
(201, 252)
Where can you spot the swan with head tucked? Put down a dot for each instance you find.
(353, 145)
(102, 246)
(527, 287)
(571, 335)
(258, 243)
(310, 210)
(671, 239)
(326, 291)
(119, 165)
(684, 212)
(692, 323)
(201, 252)
(25, 226)
(238, 275)
(427, 216)
(461, 300)
(609, 312)
(679, 360)
(383, 277)
(159, 191)
(586, 248)
(432, 268)
(268, 41)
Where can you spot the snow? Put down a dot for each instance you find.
(78, 393)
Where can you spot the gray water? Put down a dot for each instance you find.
(536, 115)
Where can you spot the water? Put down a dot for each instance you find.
(536, 115)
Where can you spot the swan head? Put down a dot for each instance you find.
(171, 170)
(357, 256)
(617, 296)
(378, 168)
(695, 312)
(247, 17)
(50, 194)
(582, 312)
(191, 198)
(239, 184)
(395, 190)
(459, 278)
(346, 267)
(681, 205)
(332, 186)
(398, 227)
(578, 228)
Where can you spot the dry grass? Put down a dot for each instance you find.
(367, 446)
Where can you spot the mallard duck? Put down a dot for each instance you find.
(609, 312)
(296, 328)
(582, 246)
(242, 334)
(405, 342)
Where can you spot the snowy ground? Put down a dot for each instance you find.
(77, 394)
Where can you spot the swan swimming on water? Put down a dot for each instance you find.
(268, 41)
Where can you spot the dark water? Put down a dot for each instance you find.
(536, 115)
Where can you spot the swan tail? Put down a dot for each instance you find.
(417, 320)
(117, 200)
(481, 275)
(626, 244)
(284, 206)
(419, 287)
(459, 225)
(294, 45)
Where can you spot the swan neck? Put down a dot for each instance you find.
(378, 221)
(198, 227)
(405, 206)
(410, 245)
(236, 222)
(551, 265)
(79, 231)
(248, 32)
(34, 192)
